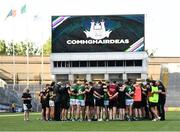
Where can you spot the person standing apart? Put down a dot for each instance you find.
(26, 98)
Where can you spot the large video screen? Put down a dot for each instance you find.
(110, 33)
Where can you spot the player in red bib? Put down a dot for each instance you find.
(113, 94)
(137, 101)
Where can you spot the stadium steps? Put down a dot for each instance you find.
(173, 90)
(6, 76)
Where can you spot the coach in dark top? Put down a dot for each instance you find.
(64, 101)
(57, 101)
(162, 99)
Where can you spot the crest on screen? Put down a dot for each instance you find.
(97, 30)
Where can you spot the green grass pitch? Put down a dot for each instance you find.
(14, 122)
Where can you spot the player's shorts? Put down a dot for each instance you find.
(45, 104)
(80, 102)
(129, 102)
(73, 102)
(144, 103)
(64, 104)
(89, 103)
(51, 103)
(137, 104)
(25, 107)
(106, 102)
(112, 103)
(152, 104)
(99, 102)
(121, 105)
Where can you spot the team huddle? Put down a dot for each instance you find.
(90, 101)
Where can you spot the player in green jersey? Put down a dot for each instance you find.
(73, 92)
(80, 101)
(129, 91)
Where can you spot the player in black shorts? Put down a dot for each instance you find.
(65, 104)
(112, 92)
(121, 104)
(43, 107)
(89, 100)
(162, 100)
(44, 99)
(98, 99)
(145, 110)
(106, 103)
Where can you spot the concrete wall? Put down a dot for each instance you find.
(155, 63)
(20, 68)
(35, 67)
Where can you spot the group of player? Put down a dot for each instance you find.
(90, 101)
